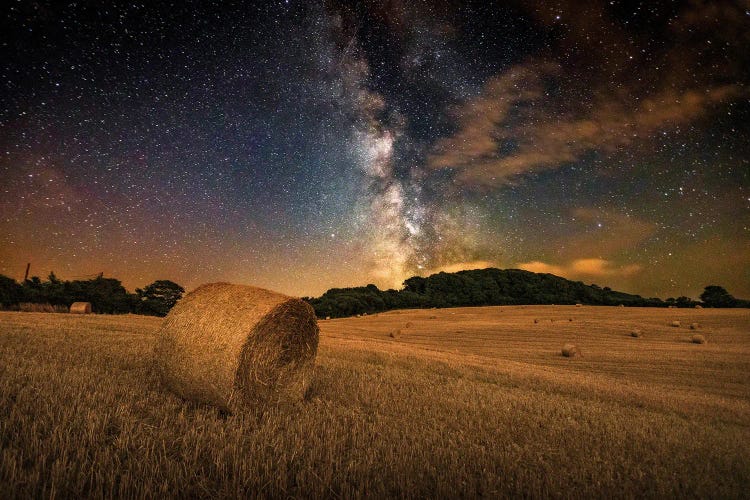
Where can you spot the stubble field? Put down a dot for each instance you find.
(429, 403)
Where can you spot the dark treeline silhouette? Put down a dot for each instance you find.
(486, 287)
(107, 295)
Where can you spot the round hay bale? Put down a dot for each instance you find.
(408, 324)
(433, 317)
(570, 351)
(698, 306)
(327, 318)
(636, 333)
(80, 308)
(579, 305)
(694, 326)
(235, 347)
(675, 324)
(536, 321)
(394, 334)
(698, 339)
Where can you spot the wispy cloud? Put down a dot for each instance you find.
(582, 268)
(492, 147)
(480, 119)
(535, 116)
(605, 233)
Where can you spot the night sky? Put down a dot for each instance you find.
(303, 145)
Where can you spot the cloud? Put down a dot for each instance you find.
(491, 147)
(582, 268)
(602, 232)
(543, 114)
(479, 119)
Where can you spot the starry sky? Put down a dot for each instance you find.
(303, 145)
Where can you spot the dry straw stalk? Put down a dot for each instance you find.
(238, 347)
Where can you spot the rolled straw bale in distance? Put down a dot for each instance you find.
(570, 351)
(636, 333)
(698, 339)
(236, 346)
(80, 308)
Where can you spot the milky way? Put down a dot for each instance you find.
(307, 145)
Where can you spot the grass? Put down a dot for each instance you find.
(473, 402)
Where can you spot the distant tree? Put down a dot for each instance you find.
(53, 291)
(33, 290)
(10, 291)
(683, 301)
(158, 297)
(415, 284)
(107, 295)
(716, 296)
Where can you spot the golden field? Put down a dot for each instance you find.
(460, 403)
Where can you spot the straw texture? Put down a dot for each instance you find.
(236, 346)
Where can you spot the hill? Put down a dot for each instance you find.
(479, 287)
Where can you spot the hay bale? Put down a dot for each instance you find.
(622, 305)
(235, 347)
(698, 306)
(408, 324)
(570, 351)
(636, 333)
(80, 308)
(327, 318)
(579, 305)
(694, 326)
(675, 324)
(698, 339)
(394, 334)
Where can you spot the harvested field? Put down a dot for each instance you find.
(477, 401)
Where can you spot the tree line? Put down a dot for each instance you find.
(482, 287)
(491, 287)
(107, 295)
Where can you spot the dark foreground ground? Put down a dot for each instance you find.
(458, 402)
